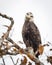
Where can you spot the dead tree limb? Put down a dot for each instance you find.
(6, 35)
(19, 50)
(12, 60)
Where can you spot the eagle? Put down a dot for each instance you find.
(30, 33)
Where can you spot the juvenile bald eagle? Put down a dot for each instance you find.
(30, 33)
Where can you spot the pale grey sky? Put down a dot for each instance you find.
(42, 10)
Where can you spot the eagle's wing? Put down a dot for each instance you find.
(25, 33)
(35, 34)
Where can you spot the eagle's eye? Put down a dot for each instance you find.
(27, 13)
(31, 16)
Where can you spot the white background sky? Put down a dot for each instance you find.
(42, 10)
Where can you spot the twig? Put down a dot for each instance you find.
(5, 36)
(3, 60)
(12, 60)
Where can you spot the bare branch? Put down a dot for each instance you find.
(29, 52)
(23, 51)
(12, 60)
(17, 61)
(5, 36)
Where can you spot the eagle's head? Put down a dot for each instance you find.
(29, 16)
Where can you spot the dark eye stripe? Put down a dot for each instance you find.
(27, 13)
(31, 16)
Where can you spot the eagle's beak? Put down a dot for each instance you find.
(28, 17)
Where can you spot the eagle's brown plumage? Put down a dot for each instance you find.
(30, 33)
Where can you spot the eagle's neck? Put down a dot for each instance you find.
(27, 21)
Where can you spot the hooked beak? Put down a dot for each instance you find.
(28, 17)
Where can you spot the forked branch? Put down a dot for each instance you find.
(5, 36)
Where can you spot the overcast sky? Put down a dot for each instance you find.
(41, 9)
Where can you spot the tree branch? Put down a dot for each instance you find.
(5, 36)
